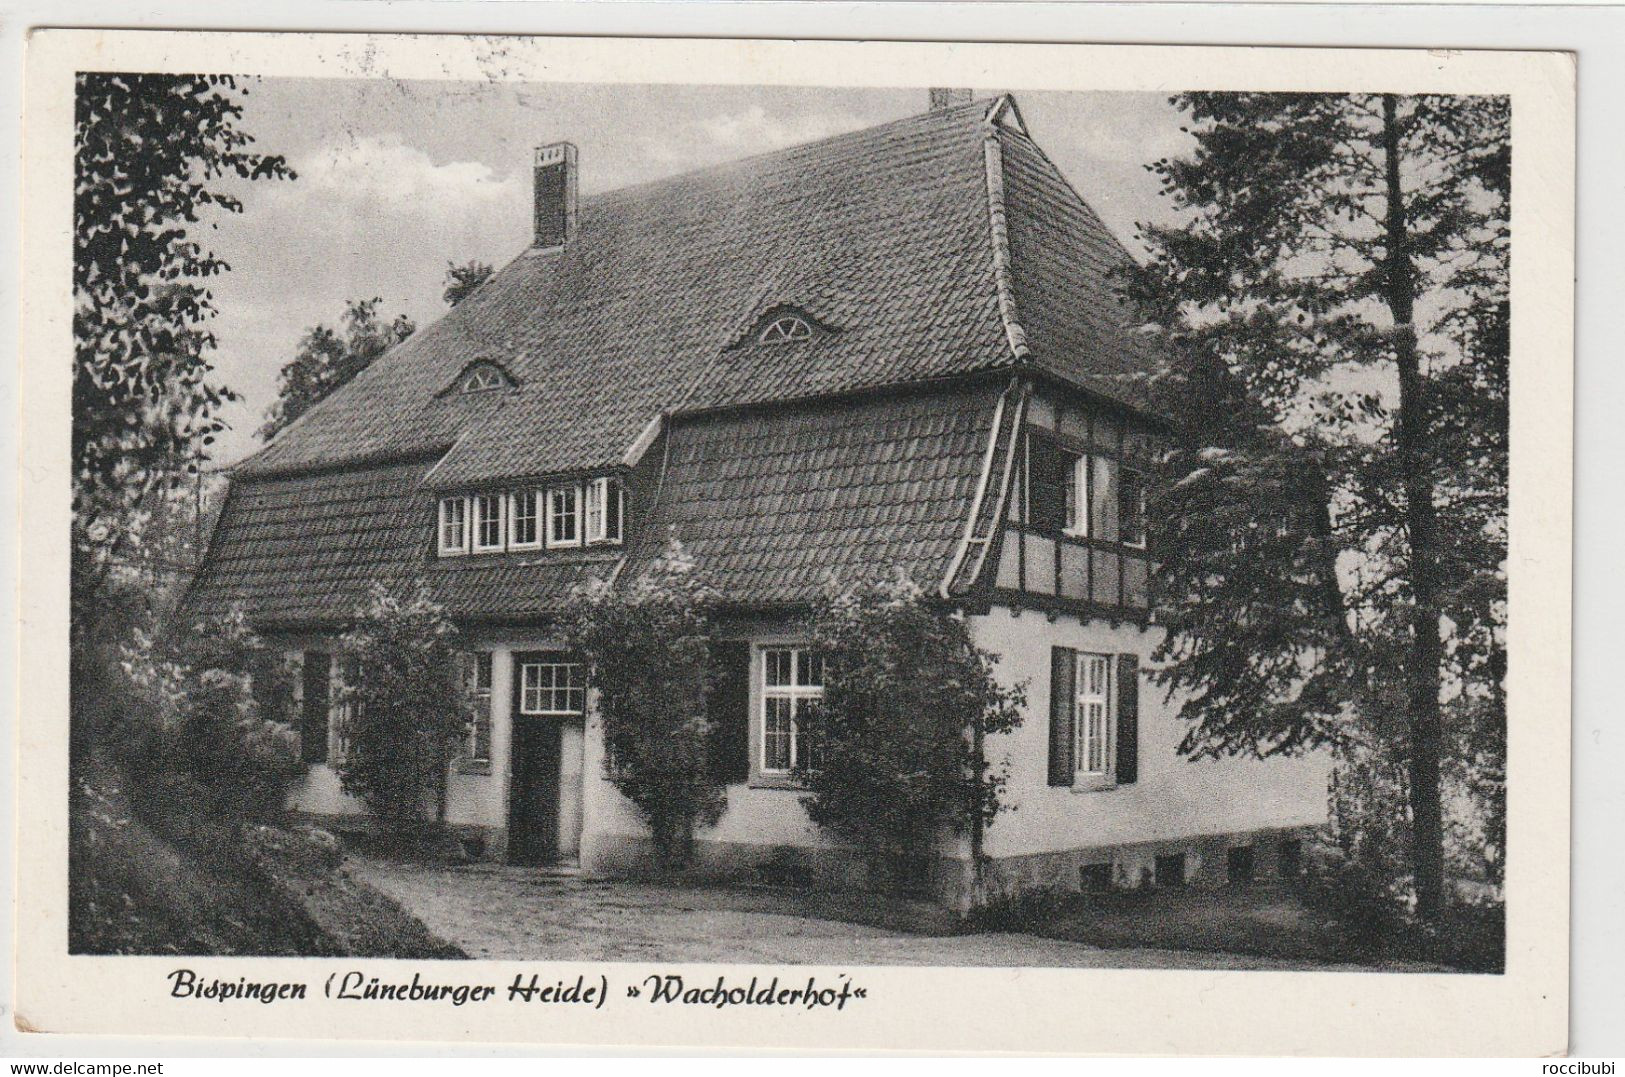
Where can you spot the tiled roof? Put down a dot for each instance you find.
(924, 250)
(770, 504)
(305, 549)
(1062, 259)
(884, 235)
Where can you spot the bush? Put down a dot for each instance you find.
(402, 685)
(647, 647)
(210, 728)
(896, 749)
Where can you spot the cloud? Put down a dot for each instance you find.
(755, 130)
(382, 171)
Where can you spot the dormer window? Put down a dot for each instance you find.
(786, 327)
(565, 515)
(483, 378)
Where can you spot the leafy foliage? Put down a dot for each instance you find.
(896, 749)
(402, 684)
(150, 155)
(647, 646)
(328, 359)
(1336, 300)
(463, 280)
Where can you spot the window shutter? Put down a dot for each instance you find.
(313, 724)
(1063, 707)
(1128, 719)
(728, 708)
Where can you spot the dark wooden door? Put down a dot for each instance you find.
(533, 792)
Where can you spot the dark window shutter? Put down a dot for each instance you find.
(313, 723)
(1047, 466)
(1063, 706)
(728, 708)
(1128, 719)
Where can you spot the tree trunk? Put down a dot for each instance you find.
(1422, 674)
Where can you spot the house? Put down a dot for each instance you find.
(895, 347)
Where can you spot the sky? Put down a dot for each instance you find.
(396, 179)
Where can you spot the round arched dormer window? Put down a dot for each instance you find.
(784, 328)
(482, 379)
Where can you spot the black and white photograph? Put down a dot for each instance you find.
(703, 522)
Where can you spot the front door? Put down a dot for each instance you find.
(533, 792)
(548, 692)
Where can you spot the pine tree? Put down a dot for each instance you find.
(1336, 295)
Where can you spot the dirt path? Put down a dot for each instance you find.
(510, 913)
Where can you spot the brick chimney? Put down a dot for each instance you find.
(941, 99)
(555, 186)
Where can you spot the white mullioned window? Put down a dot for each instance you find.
(524, 520)
(792, 684)
(1094, 718)
(1131, 508)
(603, 509)
(453, 526)
(341, 676)
(564, 516)
(788, 327)
(479, 688)
(1091, 483)
(553, 688)
(488, 522)
(483, 379)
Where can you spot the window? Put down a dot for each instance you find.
(1094, 727)
(453, 525)
(479, 690)
(342, 710)
(564, 516)
(552, 688)
(524, 531)
(1095, 878)
(787, 327)
(792, 684)
(603, 510)
(488, 522)
(1171, 870)
(482, 379)
(1240, 864)
(1131, 507)
(1091, 487)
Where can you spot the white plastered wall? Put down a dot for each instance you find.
(1173, 798)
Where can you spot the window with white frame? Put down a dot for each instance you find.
(1131, 515)
(1091, 489)
(552, 688)
(483, 379)
(524, 522)
(602, 510)
(787, 327)
(792, 684)
(564, 516)
(341, 710)
(488, 522)
(479, 690)
(1094, 715)
(453, 525)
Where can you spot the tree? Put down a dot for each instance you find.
(895, 754)
(403, 690)
(150, 155)
(647, 646)
(1340, 277)
(327, 360)
(463, 280)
